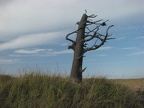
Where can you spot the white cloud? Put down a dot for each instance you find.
(26, 24)
(137, 53)
(64, 44)
(129, 48)
(41, 17)
(31, 16)
(31, 40)
(41, 52)
(5, 2)
(52, 52)
(32, 51)
(105, 48)
(9, 61)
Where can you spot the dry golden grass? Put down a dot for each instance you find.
(134, 84)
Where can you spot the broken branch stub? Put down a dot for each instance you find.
(84, 34)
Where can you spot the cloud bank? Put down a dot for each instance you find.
(43, 52)
(31, 40)
(31, 16)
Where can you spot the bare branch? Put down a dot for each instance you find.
(88, 35)
(72, 46)
(98, 20)
(104, 23)
(94, 47)
(85, 11)
(92, 16)
(91, 23)
(109, 38)
(83, 69)
(69, 35)
(77, 23)
(93, 36)
(73, 42)
(88, 29)
(93, 30)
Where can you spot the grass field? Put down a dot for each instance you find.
(54, 91)
(133, 84)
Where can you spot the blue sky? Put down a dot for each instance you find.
(32, 35)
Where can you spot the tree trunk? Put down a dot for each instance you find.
(79, 45)
(76, 71)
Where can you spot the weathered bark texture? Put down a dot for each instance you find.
(84, 34)
(76, 71)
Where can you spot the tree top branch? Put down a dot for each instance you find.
(95, 46)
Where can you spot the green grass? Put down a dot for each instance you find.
(54, 91)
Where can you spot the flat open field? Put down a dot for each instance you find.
(134, 84)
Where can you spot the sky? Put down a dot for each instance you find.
(32, 37)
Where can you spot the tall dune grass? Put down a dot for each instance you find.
(54, 91)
